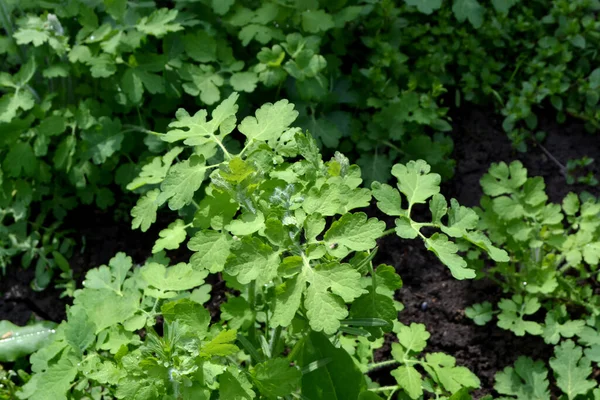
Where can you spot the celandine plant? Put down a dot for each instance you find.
(553, 269)
(306, 306)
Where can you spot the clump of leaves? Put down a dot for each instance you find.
(554, 252)
(281, 226)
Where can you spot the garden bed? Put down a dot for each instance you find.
(430, 294)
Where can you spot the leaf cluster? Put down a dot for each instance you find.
(553, 267)
(306, 306)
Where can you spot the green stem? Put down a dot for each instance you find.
(388, 232)
(392, 146)
(516, 70)
(385, 388)
(382, 364)
(135, 128)
(251, 301)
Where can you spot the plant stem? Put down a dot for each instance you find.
(562, 167)
(392, 146)
(388, 232)
(385, 388)
(139, 129)
(382, 364)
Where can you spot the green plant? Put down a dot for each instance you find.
(554, 253)
(278, 224)
(575, 168)
(82, 83)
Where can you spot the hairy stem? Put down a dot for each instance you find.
(382, 364)
(385, 389)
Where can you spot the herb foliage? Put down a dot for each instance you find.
(288, 236)
(554, 253)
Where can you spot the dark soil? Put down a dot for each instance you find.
(99, 237)
(430, 294)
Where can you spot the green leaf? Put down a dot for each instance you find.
(374, 305)
(189, 313)
(221, 345)
(425, 6)
(132, 86)
(315, 21)
(106, 308)
(102, 66)
(211, 250)
(196, 131)
(144, 212)
(200, 46)
(80, 331)
(204, 80)
(451, 377)
(460, 220)
(375, 167)
(528, 380)
(338, 379)
(18, 341)
(159, 23)
(504, 179)
(324, 310)
(553, 330)
(367, 395)
(171, 237)
(409, 379)
(594, 79)
(412, 338)
(513, 311)
(480, 313)
(288, 296)
(446, 252)
(246, 224)
(109, 277)
(182, 182)
(11, 103)
(354, 232)
(155, 171)
(503, 6)
(105, 142)
(269, 122)
(469, 9)
(276, 378)
(244, 81)
(236, 311)
(216, 210)
(233, 385)
(342, 279)
(251, 259)
(388, 199)
(221, 7)
(20, 160)
(52, 126)
(178, 277)
(416, 182)
(52, 383)
(572, 370)
(116, 8)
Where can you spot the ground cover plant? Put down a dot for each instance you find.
(553, 273)
(264, 279)
(82, 82)
(277, 223)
